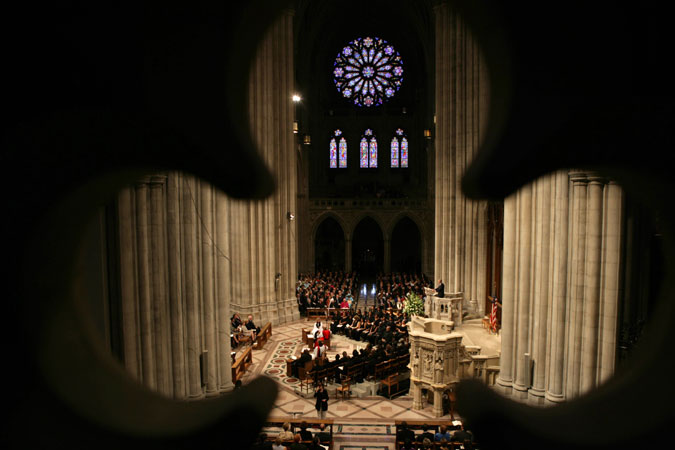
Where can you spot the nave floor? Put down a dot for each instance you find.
(364, 422)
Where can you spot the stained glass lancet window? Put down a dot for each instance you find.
(368, 150)
(333, 154)
(368, 71)
(373, 152)
(404, 152)
(399, 149)
(338, 152)
(394, 152)
(364, 153)
(343, 153)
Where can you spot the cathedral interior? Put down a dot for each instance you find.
(167, 167)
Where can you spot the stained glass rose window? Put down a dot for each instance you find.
(368, 71)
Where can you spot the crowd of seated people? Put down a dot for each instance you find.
(384, 331)
(392, 288)
(376, 325)
(433, 435)
(325, 289)
(287, 440)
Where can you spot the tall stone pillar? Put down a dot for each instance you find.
(578, 243)
(589, 343)
(610, 287)
(129, 293)
(554, 387)
(461, 85)
(144, 284)
(191, 277)
(175, 297)
(223, 293)
(541, 288)
(208, 287)
(160, 308)
(524, 255)
(505, 378)
(387, 255)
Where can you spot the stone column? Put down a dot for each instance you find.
(460, 103)
(160, 310)
(554, 387)
(128, 291)
(589, 343)
(223, 293)
(173, 230)
(541, 288)
(417, 395)
(610, 289)
(575, 317)
(272, 243)
(438, 403)
(144, 283)
(208, 287)
(505, 378)
(387, 255)
(524, 255)
(190, 273)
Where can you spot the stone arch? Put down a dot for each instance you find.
(329, 245)
(315, 227)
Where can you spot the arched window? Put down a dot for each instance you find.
(399, 149)
(368, 150)
(343, 153)
(338, 151)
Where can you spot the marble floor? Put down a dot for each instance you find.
(359, 422)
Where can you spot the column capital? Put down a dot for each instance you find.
(156, 180)
(596, 178)
(578, 176)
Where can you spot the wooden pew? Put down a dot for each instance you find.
(315, 313)
(241, 364)
(295, 428)
(263, 336)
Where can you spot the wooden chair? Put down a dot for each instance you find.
(306, 380)
(303, 370)
(321, 374)
(344, 387)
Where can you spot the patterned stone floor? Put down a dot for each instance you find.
(360, 423)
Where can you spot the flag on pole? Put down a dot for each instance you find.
(493, 316)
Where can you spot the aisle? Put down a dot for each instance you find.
(367, 295)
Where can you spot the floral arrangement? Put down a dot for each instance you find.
(414, 305)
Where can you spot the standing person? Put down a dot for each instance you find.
(440, 290)
(321, 406)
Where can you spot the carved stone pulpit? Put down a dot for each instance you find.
(434, 359)
(449, 307)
